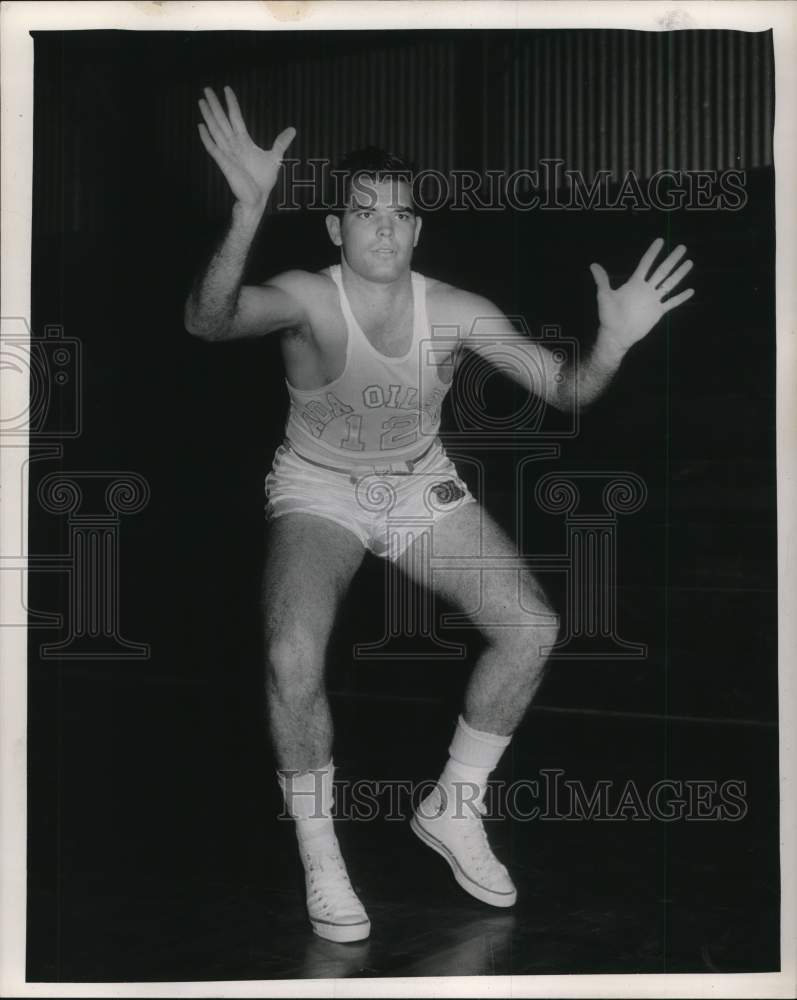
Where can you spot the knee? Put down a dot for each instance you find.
(527, 645)
(294, 666)
(543, 628)
(549, 627)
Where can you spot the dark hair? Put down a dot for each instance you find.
(372, 162)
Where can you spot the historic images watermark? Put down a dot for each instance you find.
(316, 184)
(548, 797)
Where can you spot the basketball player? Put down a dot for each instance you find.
(364, 415)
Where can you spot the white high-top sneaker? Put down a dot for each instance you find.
(333, 907)
(455, 830)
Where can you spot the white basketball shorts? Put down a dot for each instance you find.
(386, 511)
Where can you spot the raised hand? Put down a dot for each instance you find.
(251, 171)
(626, 314)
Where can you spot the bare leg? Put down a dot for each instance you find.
(501, 603)
(517, 625)
(309, 565)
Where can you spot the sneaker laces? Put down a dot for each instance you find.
(328, 885)
(474, 836)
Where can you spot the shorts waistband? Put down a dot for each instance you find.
(402, 468)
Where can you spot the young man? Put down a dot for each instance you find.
(364, 415)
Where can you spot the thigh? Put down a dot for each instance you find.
(492, 586)
(309, 564)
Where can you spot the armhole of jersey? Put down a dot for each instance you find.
(420, 318)
(348, 316)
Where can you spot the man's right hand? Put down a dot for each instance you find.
(251, 171)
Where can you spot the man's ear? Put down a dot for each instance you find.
(333, 228)
(418, 224)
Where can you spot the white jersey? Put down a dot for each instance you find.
(380, 409)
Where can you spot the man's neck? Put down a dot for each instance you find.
(376, 296)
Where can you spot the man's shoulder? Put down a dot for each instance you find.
(450, 305)
(302, 283)
(303, 298)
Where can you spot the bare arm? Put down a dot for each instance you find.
(626, 315)
(219, 306)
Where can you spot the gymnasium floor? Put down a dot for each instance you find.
(172, 867)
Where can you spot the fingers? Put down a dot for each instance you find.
(212, 125)
(675, 278)
(217, 154)
(239, 183)
(216, 123)
(234, 111)
(650, 255)
(218, 112)
(676, 300)
(601, 277)
(667, 265)
(283, 140)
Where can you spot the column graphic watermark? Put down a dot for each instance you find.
(50, 373)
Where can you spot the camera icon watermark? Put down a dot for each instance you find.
(43, 383)
(534, 364)
(41, 410)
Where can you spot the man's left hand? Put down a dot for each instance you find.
(628, 313)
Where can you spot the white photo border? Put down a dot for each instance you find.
(17, 20)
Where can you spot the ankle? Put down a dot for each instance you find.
(475, 747)
(315, 836)
(308, 795)
(473, 756)
(461, 790)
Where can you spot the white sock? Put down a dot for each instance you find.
(473, 755)
(309, 799)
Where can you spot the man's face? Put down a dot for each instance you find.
(379, 228)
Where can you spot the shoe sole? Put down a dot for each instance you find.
(463, 880)
(342, 933)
